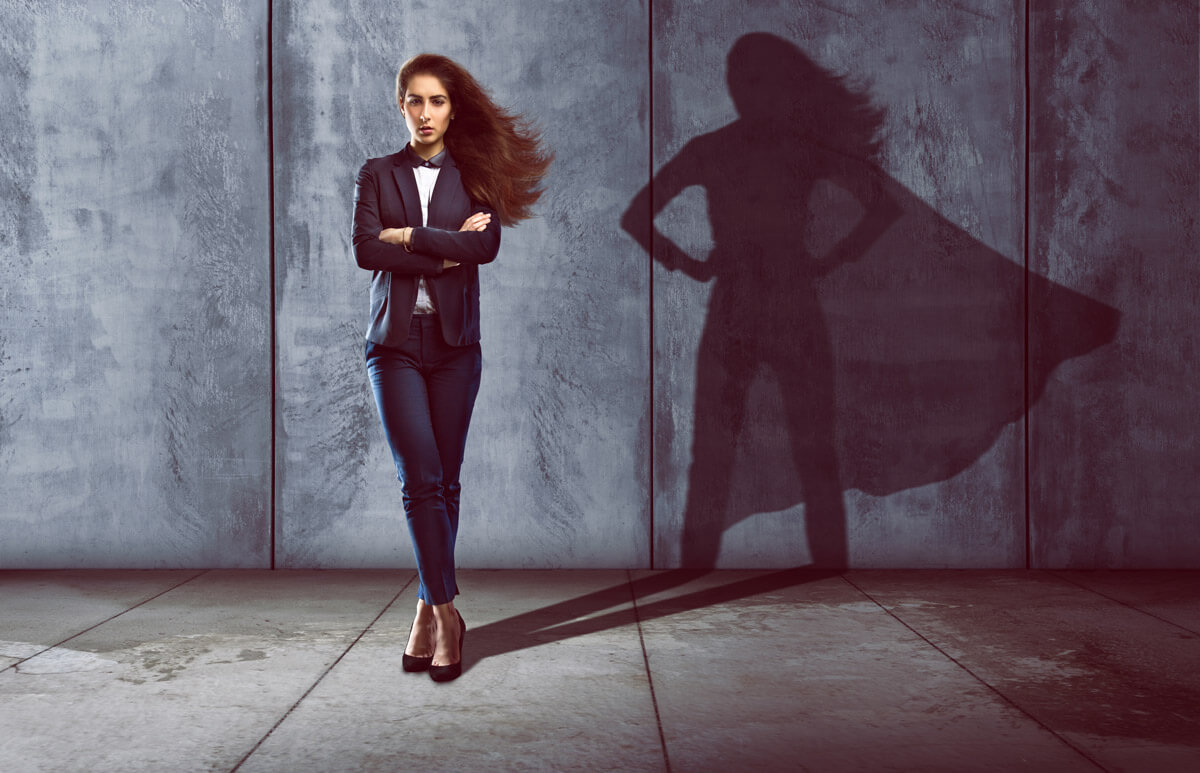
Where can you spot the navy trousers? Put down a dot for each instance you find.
(425, 391)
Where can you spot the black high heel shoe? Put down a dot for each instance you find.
(452, 671)
(411, 663)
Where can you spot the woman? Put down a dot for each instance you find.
(425, 219)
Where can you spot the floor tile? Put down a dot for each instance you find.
(187, 681)
(1173, 596)
(790, 670)
(554, 679)
(46, 607)
(796, 671)
(1116, 683)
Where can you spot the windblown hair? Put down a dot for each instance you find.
(499, 153)
(771, 79)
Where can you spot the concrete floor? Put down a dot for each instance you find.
(603, 670)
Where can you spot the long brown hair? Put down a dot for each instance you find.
(499, 153)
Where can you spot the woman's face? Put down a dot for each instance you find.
(427, 114)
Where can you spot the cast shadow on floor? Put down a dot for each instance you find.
(561, 621)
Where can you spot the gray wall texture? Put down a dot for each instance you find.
(1115, 177)
(1012, 363)
(135, 400)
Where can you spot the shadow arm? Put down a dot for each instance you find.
(866, 183)
(638, 219)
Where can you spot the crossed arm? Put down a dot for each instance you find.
(880, 210)
(419, 250)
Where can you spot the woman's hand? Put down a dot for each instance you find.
(477, 222)
(403, 236)
(393, 236)
(672, 257)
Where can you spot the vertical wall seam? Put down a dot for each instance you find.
(271, 269)
(1027, 235)
(650, 262)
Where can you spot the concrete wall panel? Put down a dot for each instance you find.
(891, 387)
(1114, 457)
(556, 464)
(134, 256)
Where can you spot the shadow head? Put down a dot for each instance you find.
(777, 87)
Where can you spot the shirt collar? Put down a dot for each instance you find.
(436, 162)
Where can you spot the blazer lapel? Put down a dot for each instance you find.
(406, 183)
(442, 204)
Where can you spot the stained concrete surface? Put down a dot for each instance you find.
(814, 675)
(1115, 180)
(519, 654)
(54, 607)
(1165, 594)
(1116, 681)
(604, 670)
(134, 295)
(182, 681)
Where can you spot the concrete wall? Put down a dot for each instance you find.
(136, 259)
(1114, 452)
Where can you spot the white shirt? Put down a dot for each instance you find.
(426, 179)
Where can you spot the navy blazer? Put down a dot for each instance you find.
(385, 196)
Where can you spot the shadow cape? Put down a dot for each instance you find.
(896, 341)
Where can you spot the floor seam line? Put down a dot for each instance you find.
(978, 678)
(1125, 604)
(662, 738)
(108, 619)
(321, 677)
